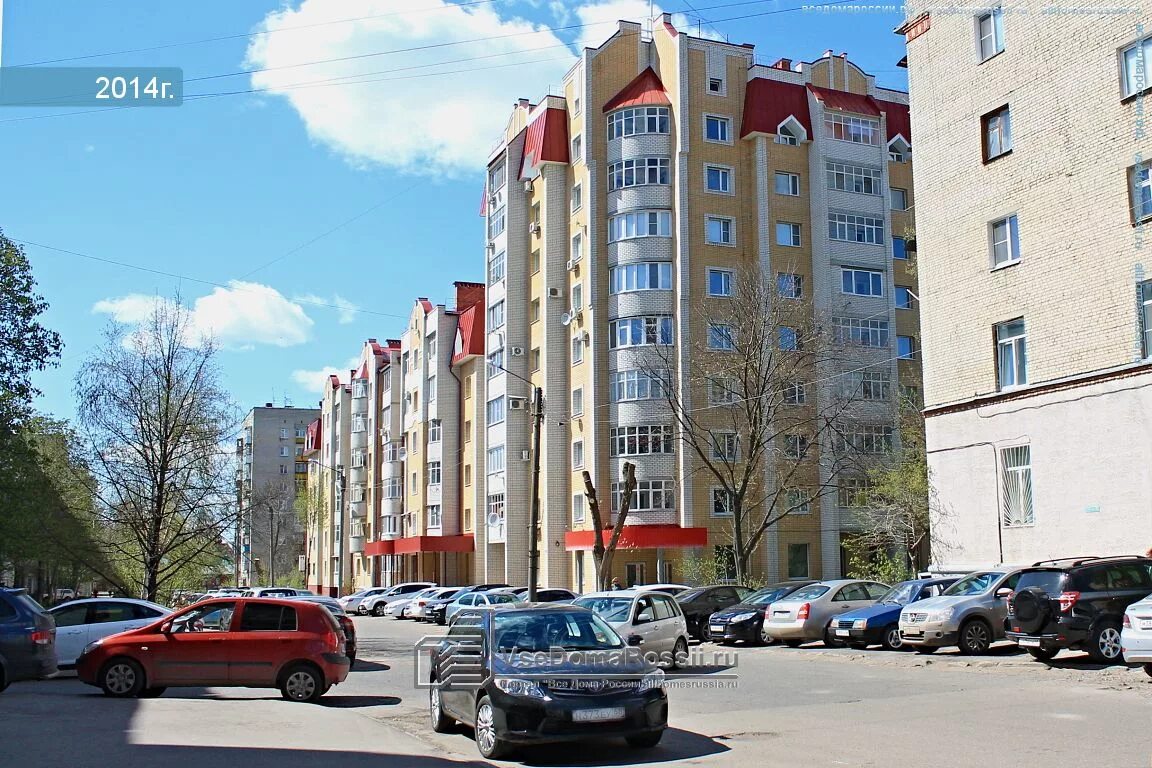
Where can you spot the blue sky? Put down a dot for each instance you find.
(217, 189)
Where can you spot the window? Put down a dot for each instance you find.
(629, 122)
(267, 617)
(496, 315)
(858, 130)
(640, 224)
(990, 29)
(577, 197)
(577, 350)
(789, 339)
(718, 230)
(434, 474)
(722, 390)
(301, 467)
(285, 451)
(789, 286)
(899, 248)
(577, 149)
(725, 446)
(535, 261)
(718, 179)
(578, 454)
(496, 176)
(720, 336)
(1134, 62)
(435, 430)
(905, 348)
(852, 492)
(496, 410)
(788, 234)
(1146, 316)
(873, 385)
(496, 223)
(797, 561)
(787, 134)
(799, 501)
(1141, 191)
(856, 228)
(624, 386)
(496, 363)
(639, 331)
(575, 106)
(721, 503)
(997, 133)
(467, 474)
(643, 276)
(861, 332)
(861, 282)
(898, 150)
(638, 172)
(717, 128)
(1017, 481)
(860, 179)
(719, 282)
(577, 508)
(435, 516)
(578, 297)
(903, 297)
(496, 509)
(1011, 354)
(650, 495)
(496, 459)
(899, 199)
(796, 446)
(787, 184)
(795, 394)
(639, 441)
(715, 85)
(467, 430)
(577, 252)
(431, 389)
(534, 310)
(578, 401)
(534, 359)
(865, 439)
(1005, 235)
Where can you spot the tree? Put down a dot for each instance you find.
(25, 345)
(157, 422)
(766, 407)
(275, 528)
(604, 552)
(312, 510)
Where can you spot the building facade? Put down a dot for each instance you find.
(1031, 218)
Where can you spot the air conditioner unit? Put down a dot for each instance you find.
(492, 200)
(571, 265)
(516, 403)
(491, 246)
(585, 337)
(553, 293)
(525, 455)
(534, 228)
(528, 186)
(516, 351)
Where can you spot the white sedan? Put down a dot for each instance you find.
(84, 621)
(1136, 637)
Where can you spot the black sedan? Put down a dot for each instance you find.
(745, 620)
(544, 673)
(699, 603)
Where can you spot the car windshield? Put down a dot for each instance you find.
(689, 595)
(811, 592)
(766, 596)
(610, 608)
(503, 598)
(574, 631)
(30, 603)
(901, 594)
(974, 584)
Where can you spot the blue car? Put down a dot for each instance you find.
(879, 623)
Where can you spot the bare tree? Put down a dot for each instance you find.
(276, 528)
(604, 552)
(157, 419)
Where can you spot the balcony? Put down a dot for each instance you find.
(496, 530)
(355, 544)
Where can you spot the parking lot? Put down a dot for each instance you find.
(809, 706)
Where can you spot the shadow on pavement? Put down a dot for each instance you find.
(676, 746)
(370, 666)
(356, 702)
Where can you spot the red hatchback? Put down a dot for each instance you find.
(292, 645)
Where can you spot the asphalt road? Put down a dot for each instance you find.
(806, 706)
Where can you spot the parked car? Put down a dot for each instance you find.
(1136, 635)
(82, 621)
(396, 607)
(438, 608)
(543, 595)
(342, 617)
(668, 589)
(351, 603)
(1076, 603)
(653, 616)
(699, 603)
(807, 614)
(273, 592)
(970, 614)
(293, 645)
(478, 600)
(416, 609)
(879, 624)
(377, 604)
(524, 698)
(746, 620)
(27, 638)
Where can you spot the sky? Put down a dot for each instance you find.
(325, 168)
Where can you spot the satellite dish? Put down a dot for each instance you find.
(565, 319)
(493, 519)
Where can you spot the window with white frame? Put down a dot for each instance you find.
(434, 473)
(1005, 236)
(798, 501)
(861, 282)
(578, 502)
(1140, 191)
(495, 411)
(903, 297)
(997, 127)
(722, 390)
(578, 401)
(393, 488)
(899, 151)
(716, 85)
(860, 179)
(577, 349)
(721, 503)
(359, 422)
(496, 315)
(796, 446)
(795, 393)
(496, 363)
(635, 120)
(435, 516)
(640, 440)
(720, 282)
(642, 276)
(865, 439)
(717, 128)
(577, 148)
(857, 130)
(577, 197)
(495, 459)
(789, 339)
(577, 252)
(496, 222)
(431, 389)
(856, 228)
(285, 433)
(639, 331)
(359, 457)
(1146, 316)
(718, 178)
(721, 337)
(628, 385)
(852, 491)
(990, 33)
(860, 332)
(899, 199)
(435, 430)
(626, 226)
(495, 510)
(285, 451)
(578, 454)
(496, 268)
(718, 230)
(788, 133)
(787, 184)
(638, 172)
(873, 385)
(788, 234)
(725, 446)
(1016, 479)
(496, 176)
(1135, 61)
(789, 286)
(359, 492)
(649, 496)
(1011, 354)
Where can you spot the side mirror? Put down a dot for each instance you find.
(1003, 592)
(166, 628)
(643, 617)
(634, 640)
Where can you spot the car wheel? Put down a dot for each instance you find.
(926, 649)
(830, 639)
(1148, 670)
(152, 693)
(763, 638)
(1043, 654)
(705, 633)
(122, 678)
(3, 678)
(441, 723)
(490, 746)
(975, 637)
(1105, 647)
(679, 654)
(644, 740)
(302, 683)
(891, 638)
(379, 609)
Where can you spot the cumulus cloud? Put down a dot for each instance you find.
(238, 316)
(345, 309)
(314, 380)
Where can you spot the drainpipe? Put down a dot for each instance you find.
(999, 500)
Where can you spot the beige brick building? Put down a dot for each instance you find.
(1032, 196)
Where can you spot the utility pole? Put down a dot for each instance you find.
(271, 545)
(341, 485)
(534, 525)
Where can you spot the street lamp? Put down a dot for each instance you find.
(340, 489)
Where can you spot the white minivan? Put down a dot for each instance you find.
(655, 617)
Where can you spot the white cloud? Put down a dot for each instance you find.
(317, 379)
(407, 120)
(598, 14)
(345, 309)
(239, 316)
(560, 10)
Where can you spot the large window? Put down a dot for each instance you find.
(873, 385)
(856, 228)
(852, 491)
(496, 176)
(789, 286)
(643, 276)
(721, 337)
(903, 297)
(635, 385)
(1141, 191)
(905, 348)
(634, 173)
(788, 234)
(1011, 354)
(717, 128)
(899, 248)
(435, 430)
(718, 230)
(854, 178)
(1146, 316)
(720, 282)
(496, 222)
(640, 224)
(629, 122)
(496, 510)
(435, 516)
(434, 473)
(642, 440)
(1005, 234)
(1135, 60)
(496, 410)
(496, 459)
(858, 130)
(865, 438)
(997, 128)
(639, 331)
(1016, 463)
(787, 184)
(718, 178)
(649, 495)
(899, 199)
(725, 446)
(496, 268)
(496, 363)
(861, 282)
(496, 316)
(990, 28)
(721, 503)
(861, 332)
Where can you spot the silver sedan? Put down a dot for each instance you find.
(807, 612)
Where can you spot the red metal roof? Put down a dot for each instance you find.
(768, 103)
(546, 141)
(334, 380)
(899, 122)
(645, 90)
(469, 333)
(484, 201)
(312, 436)
(641, 537)
(427, 305)
(845, 101)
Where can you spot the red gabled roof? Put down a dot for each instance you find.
(768, 103)
(427, 305)
(645, 90)
(333, 380)
(546, 141)
(363, 371)
(312, 436)
(899, 122)
(484, 201)
(469, 333)
(845, 101)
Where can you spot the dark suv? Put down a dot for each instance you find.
(1076, 603)
(27, 638)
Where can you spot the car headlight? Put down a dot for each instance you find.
(860, 624)
(517, 687)
(942, 615)
(742, 617)
(651, 681)
(90, 647)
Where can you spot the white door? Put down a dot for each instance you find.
(71, 632)
(645, 624)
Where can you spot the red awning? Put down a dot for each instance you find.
(415, 544)
(642, 537)
(645, 90)
(846, 102)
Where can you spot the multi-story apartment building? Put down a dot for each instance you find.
(269, 470)
(1033, 199)
(327, 454)
(617, 213)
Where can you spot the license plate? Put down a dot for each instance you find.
(912, 634)
(717, 628)
(841, 633)
(597, 715)
(1145, 623)
(1028, 642)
